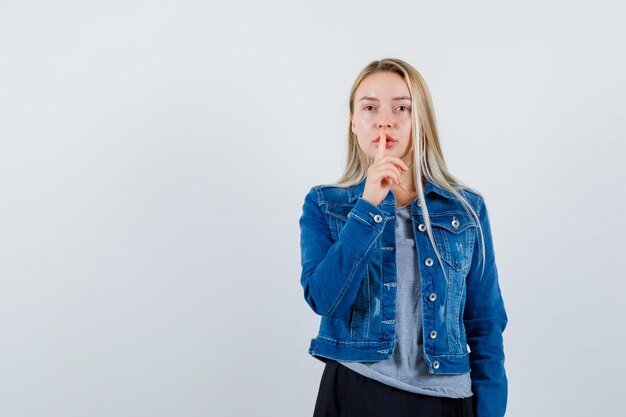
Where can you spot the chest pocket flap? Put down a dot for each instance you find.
(455, 234)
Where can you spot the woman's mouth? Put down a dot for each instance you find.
(389, 141)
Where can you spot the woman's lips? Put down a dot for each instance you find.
(388, 139)
(389, 142)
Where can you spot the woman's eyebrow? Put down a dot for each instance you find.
(375, 99)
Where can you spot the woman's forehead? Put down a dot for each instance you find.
(383, 86)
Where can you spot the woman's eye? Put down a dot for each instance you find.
(406, 108)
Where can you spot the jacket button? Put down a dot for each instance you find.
(436, 364)
(432, 296)
(428, 262)
(433, 334)
(421, 227)
(455, 222)
(378, 218)
(419, 203)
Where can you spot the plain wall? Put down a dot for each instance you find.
(154, 158)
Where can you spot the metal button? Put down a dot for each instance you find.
(433, 334)
(428, 262)
(455, 222)
(419, 203)
(432, 296)
(421, 227)
(378, 218)
(436, 364)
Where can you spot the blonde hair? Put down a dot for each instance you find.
(424, 139)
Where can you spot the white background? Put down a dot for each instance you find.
(154, 158)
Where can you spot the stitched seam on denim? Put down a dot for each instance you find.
(334, 203)
(460, 316)
(351, 336)
(446, 223)
(358, 342)
(447, 355)
(443, 213)
(337, 216)
(335, 304)
(366, 331)
(324, 208)
(469, 247)
(320, 203)
(440, 240)
(362, 220)
(447, 312)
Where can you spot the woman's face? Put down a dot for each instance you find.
(382, 100)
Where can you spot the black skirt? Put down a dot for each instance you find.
(346, 393)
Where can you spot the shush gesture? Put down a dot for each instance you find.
(382, 173)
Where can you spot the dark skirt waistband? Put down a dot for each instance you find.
(346, 393)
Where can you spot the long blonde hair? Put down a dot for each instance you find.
(424, 139)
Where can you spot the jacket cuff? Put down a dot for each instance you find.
(369, 214)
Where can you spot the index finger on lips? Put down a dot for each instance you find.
(381, 145)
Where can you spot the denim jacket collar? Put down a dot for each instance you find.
(431, 187)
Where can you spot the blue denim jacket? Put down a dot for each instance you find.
(349, 279)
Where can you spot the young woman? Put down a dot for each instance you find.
(398, 260)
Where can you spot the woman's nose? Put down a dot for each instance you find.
(385, 116)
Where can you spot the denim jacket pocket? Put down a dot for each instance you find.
(455, 234)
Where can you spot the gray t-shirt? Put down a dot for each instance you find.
(407, 369)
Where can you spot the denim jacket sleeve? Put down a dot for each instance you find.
(332, 270)
(485, 319)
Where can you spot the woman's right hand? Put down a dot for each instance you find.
(382, 174)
